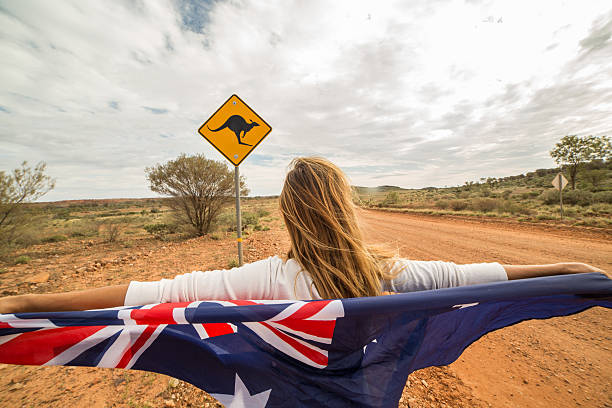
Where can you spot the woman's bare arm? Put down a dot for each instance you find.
(532, 271)
(98, 298)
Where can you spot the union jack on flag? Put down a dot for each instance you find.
(342, 352)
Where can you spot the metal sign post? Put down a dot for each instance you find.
(235, 130)
(560, 195)
(238, 217)
(559, 182)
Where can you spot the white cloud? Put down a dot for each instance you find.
(412, 94)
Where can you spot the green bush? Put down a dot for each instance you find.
(550, 196)
(23, 259)
(578, 197)
(458, 205)
(250, 218)
(83, 228)
(232, 263)
(262, 212)
(160, 230)
(391, 198)
(508, 206)
(154, 210)
(442, 204)
(484, 204)
(63, 214)
(54, 238)
(603, 197)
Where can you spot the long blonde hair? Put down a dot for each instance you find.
(326, 240)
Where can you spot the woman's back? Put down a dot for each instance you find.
(275, 278)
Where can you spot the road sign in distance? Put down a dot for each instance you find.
(563, 183)
(235, 130)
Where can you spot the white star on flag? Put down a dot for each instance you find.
(242, 398)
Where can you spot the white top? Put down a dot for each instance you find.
(273, 278)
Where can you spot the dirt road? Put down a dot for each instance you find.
(563, 362)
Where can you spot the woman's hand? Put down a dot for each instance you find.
(98, 298)
(562, 268)
(577, 267)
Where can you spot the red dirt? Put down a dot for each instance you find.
(561, 362)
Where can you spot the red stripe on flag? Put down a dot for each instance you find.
(160, 314)
(297, 320)
(318, 328)
(309, 309)
(307, 352)
(127, 356)
(4, 325)
(40, 346)
(217, 329)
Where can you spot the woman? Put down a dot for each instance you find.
(327, 259)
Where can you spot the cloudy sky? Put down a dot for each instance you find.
(409, 93)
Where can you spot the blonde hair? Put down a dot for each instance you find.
(326, 239)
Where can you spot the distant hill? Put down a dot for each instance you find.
(379, 189)
(538, 178)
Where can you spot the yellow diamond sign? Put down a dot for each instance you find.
(235, 130)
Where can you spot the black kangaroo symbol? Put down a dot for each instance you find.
(237, 124)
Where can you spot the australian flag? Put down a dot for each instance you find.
(334, 353)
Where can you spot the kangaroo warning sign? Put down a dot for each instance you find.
(235, 130)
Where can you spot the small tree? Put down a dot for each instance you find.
(595, 177)
(23, 185)
(572, 151)
(392, 197)
(199, 188)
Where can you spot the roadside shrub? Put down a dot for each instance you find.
(111, 230)
(391, 198)
(83, 228)
(603, 197)
(550, 196)
(570, 211)
(602, 208)
(484, 204)
(63, 214)
(506, 194)
(458, 205)
(534, 193)
(54, 238)
(262, 212)
(154, 210)
(232, 263)
(22, 259)
(250, 218)
(508, 206)
(442, 204)
(160, 230)
(227, 220)
(578, 197)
